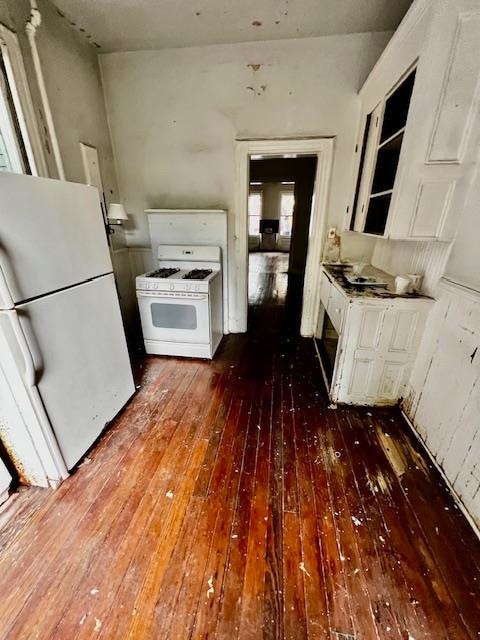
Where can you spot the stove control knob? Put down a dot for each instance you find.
(189, 286)
(197, 287)
(172, 287)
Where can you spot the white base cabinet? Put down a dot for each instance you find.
(378, 339)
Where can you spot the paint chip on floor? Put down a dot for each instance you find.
(169, 494)
(210, 591)
(302, 568)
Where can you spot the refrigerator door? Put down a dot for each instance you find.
(52, 236)
(5, 480)
(80, 356)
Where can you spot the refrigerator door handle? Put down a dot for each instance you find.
(30, 372)
(6, 300)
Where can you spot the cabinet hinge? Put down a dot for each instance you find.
(376, 121)
(356, 148)
(348, 208)
(363, 207)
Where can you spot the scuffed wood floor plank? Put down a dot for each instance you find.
(228, 501)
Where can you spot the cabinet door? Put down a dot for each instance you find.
(336, 308)
(5, 480)
(360, 342)
(368, 164)
(325, 285)
(380, 343)
(440, 141)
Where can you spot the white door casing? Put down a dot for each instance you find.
(91, 168)
(25, 111)
(323, 149)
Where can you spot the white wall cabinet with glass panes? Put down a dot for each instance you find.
(380, 154)
(419, 146)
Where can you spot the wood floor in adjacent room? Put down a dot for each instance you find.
(228, 501)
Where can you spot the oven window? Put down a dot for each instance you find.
(173, 316)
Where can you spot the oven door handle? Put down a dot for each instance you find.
(172, 296)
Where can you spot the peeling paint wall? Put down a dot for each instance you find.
(443, 401)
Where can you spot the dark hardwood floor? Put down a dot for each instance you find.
(228, 501)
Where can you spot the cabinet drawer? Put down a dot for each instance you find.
(336, 308)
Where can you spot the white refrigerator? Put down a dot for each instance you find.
(5, 480)
(64, 365)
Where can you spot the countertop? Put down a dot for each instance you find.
(336, 272)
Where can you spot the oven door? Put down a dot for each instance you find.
(174, 317)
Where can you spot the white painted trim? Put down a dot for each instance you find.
(9, 135)
(455, 495)
(323, 149)
(458, 288)
(22, 99)
(406, 26)
(31, 27)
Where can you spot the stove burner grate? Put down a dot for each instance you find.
(163, 273)
(197, 274)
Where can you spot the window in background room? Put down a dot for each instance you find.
(254, 212)
(287, 202)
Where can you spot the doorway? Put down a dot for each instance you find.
(246, 150)
(279, 211)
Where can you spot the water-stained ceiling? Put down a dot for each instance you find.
(129, 25)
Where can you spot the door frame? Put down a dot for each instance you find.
(244, 149)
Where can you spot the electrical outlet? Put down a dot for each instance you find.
(331, 233)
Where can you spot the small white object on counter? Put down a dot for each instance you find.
(402, 284)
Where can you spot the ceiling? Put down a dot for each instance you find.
(129, 25)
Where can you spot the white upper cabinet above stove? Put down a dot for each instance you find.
(440, 40)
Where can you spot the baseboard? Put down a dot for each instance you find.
(458, 501)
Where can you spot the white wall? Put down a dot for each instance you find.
(464, 261)
(443, 399)
(174, 114)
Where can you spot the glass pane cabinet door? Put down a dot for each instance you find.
(380, 158)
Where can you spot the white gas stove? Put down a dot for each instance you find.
(180, 302)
